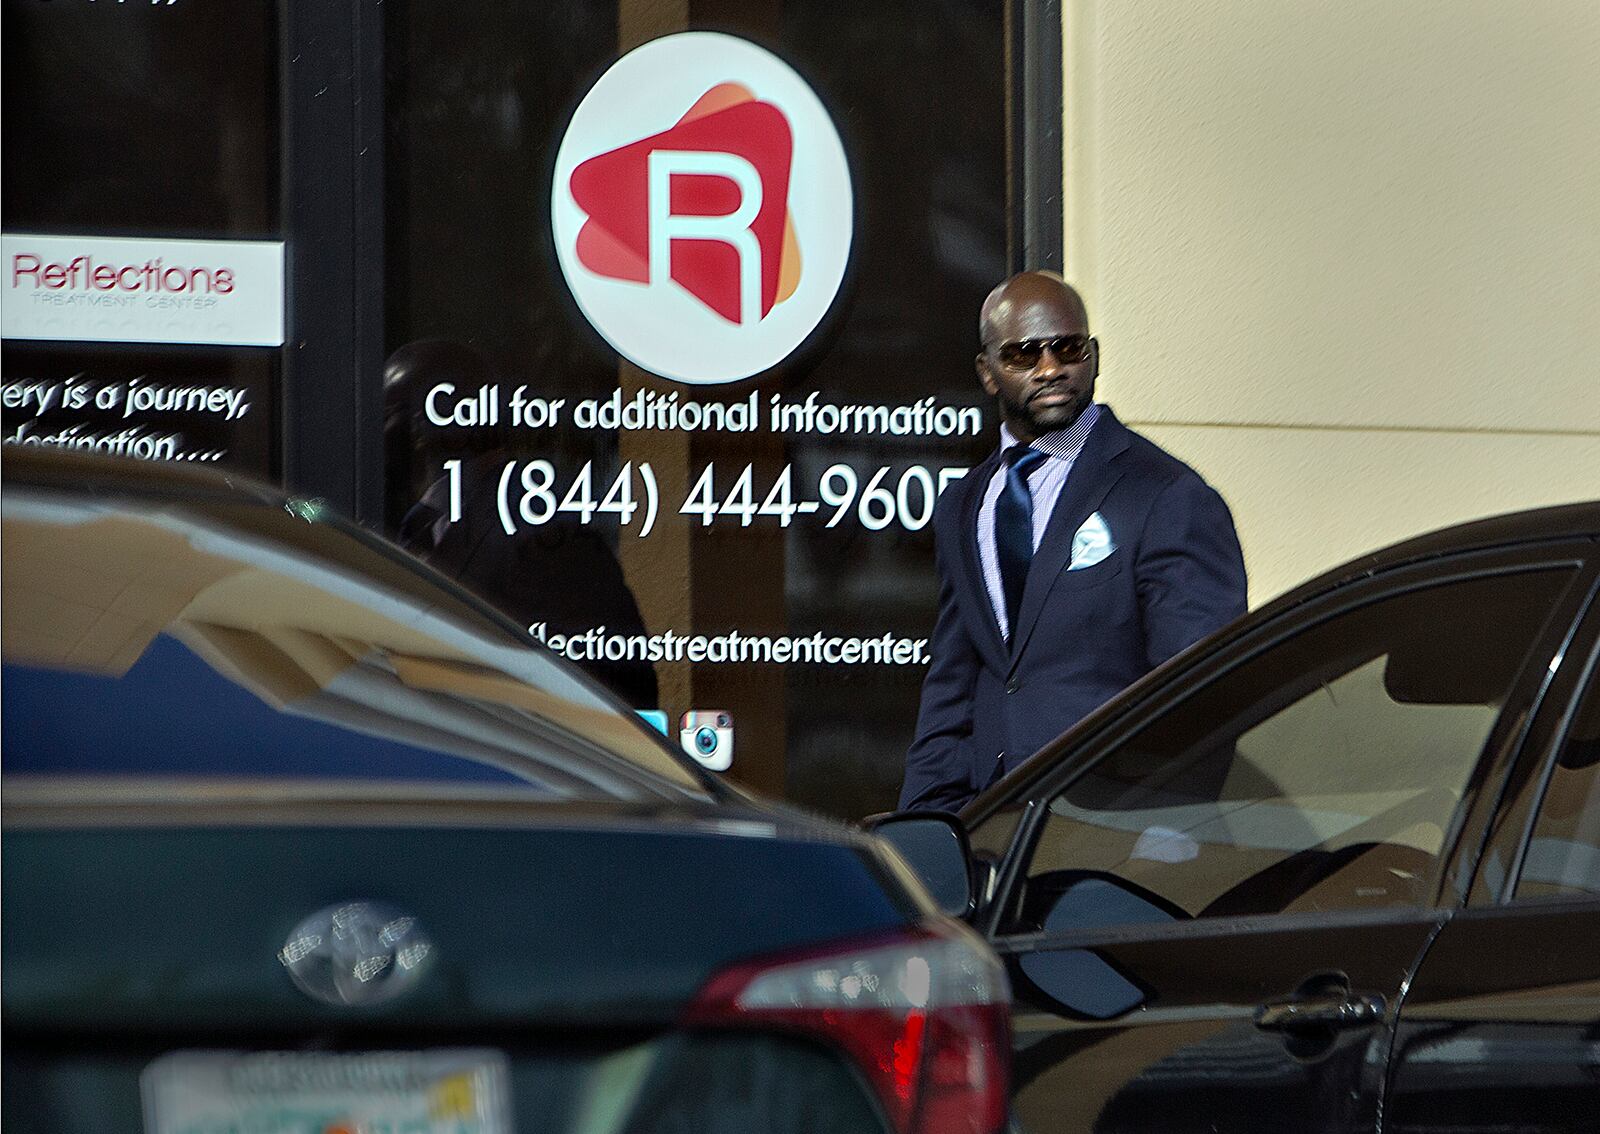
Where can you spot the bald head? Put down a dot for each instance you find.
(1038, 359)
(1006, 311)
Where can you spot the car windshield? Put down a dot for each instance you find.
(153, 641)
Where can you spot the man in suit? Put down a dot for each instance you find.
(1073, 560)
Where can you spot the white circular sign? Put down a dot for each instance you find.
(702, 208)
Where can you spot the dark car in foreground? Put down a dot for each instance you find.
(299, 839)
(1336, 868)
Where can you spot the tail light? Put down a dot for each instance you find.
(925, 1015)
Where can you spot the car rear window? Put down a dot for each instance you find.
(151, 639)
(171, 713)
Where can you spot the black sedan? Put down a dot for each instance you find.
(299, 839)
(1335, 869)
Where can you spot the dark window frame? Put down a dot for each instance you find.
(332, 208)
(1517, 818)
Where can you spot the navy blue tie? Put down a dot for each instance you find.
(1013, 528)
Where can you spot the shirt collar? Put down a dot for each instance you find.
(1062, 444)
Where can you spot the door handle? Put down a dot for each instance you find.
(1334, 1011)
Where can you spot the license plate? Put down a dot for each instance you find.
(454, 1091)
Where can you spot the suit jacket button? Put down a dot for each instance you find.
(1013, 686)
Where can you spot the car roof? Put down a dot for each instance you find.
(310, 538)
(1562, 522)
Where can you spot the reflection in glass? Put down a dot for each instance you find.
(1323, 774)
(252, 644)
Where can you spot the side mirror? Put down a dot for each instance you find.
(934, 844)
(1081, 982)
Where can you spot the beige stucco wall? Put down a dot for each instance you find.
(1344, 257)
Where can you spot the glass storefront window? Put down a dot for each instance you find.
(803, 628)
(157, 122)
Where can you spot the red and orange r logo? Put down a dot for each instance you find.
(705, 203)
(682, 240)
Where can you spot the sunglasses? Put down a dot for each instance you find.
(1025, 354)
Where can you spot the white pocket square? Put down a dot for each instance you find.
(1091, 543)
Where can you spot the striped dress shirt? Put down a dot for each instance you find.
(1062, 446)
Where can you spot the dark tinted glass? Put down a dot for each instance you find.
(992, 838)
(242, 434)
(127, 118)
(1563, 860)
(478, 97)
(1323, 774)
(141, 119)
(1026, 353)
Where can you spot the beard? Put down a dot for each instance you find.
(1046, 419)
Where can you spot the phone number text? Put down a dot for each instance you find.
(533, 493)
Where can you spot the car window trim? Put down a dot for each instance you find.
(1239, 649)
(1231, 926)
(1516, 812)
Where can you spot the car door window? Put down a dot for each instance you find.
(1322, 774)
(1563, 859)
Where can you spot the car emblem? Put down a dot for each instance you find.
(356, 954)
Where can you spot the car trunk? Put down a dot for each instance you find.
(560, 956)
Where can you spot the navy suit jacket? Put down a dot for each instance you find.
(1082, 636)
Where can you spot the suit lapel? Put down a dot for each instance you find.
(1093, 474)
(974, 597)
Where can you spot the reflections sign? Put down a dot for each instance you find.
(702, 208)
(114, 290)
